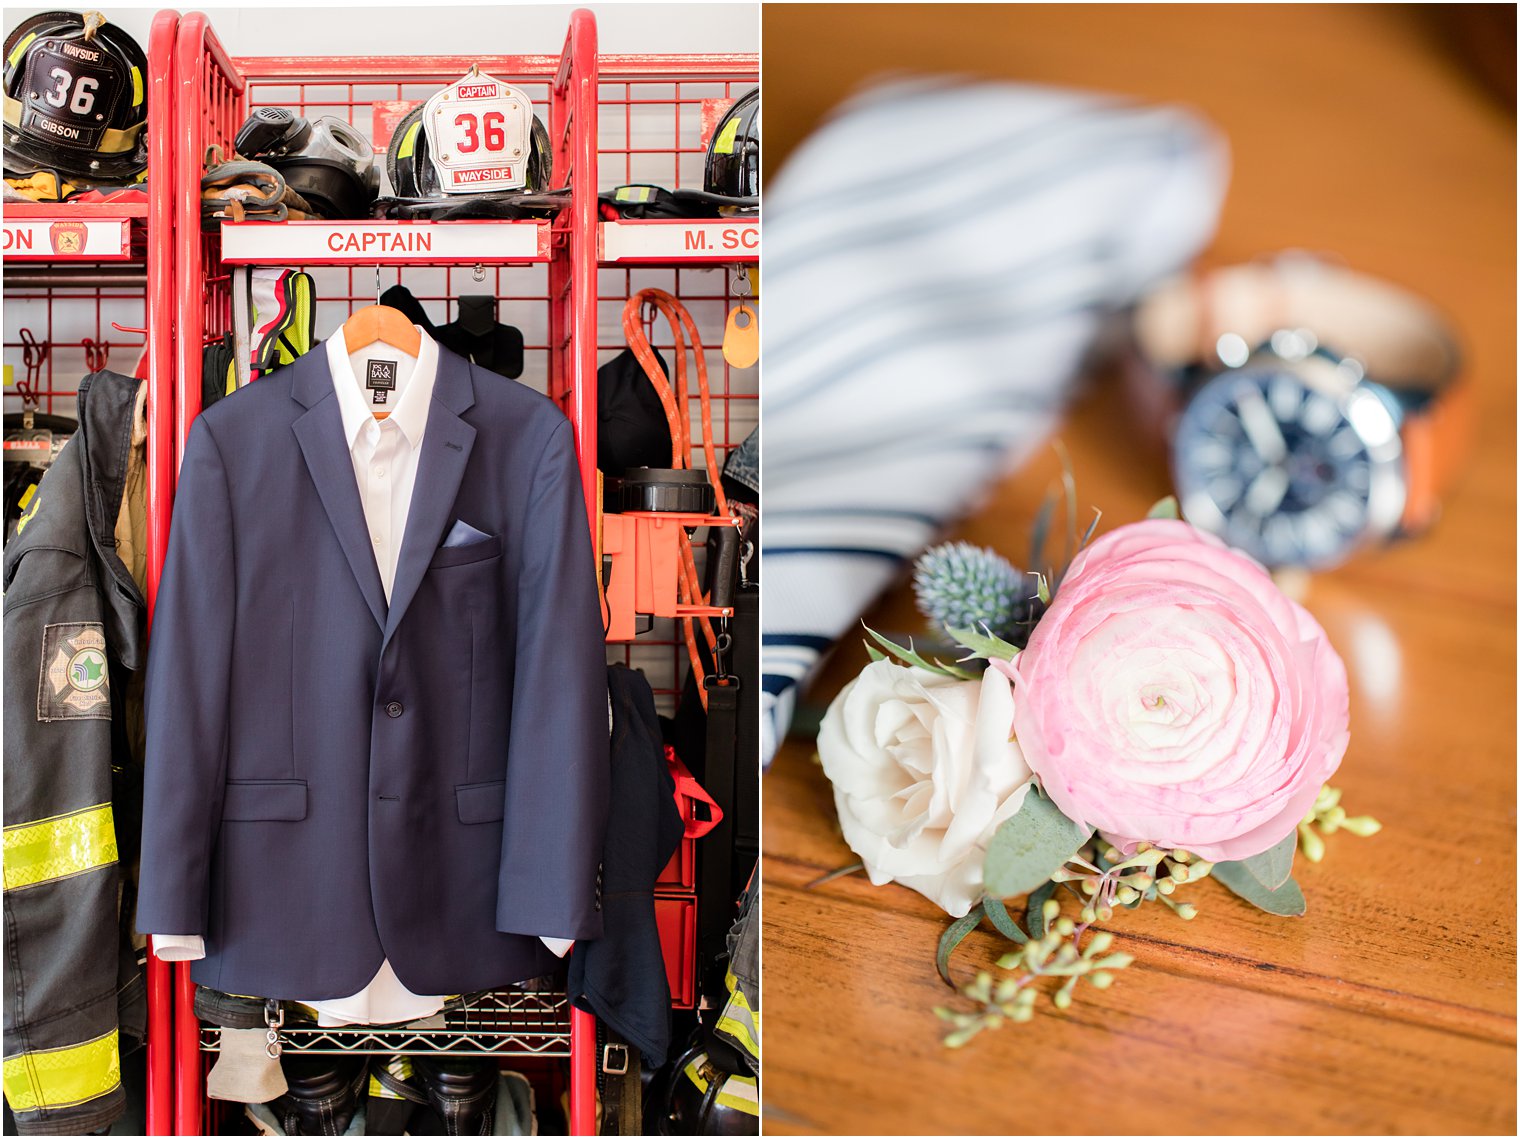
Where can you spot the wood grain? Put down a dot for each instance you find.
(1389, 1008)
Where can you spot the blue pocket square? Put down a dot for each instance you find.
(463, 534)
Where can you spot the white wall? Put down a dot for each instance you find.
(378, 27)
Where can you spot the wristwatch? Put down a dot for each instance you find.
(1312, 411)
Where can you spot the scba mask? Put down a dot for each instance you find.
(325, 160)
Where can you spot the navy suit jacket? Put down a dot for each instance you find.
(332, 781)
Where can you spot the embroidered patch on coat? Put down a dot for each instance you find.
(74, 683)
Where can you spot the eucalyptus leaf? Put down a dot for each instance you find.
(1273, 867)
(1091, 527)
(1285, 901)
(954, 934)
(1002, 920)
(1165, 508)
(908, 656)
(1035, 919)
(1042, 588)
(1031, 846)
(1069, 483)
(1040, 531)
(986, 644)
(842, 872)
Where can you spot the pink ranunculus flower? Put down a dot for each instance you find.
(1171, 694)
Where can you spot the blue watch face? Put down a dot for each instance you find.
(1274, 467)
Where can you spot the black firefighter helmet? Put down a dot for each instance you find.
(75, 99)
(413, 174)
(733, 157)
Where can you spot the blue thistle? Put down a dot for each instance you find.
(961, 586)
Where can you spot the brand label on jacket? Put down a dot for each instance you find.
(74, 683)
(380, 378)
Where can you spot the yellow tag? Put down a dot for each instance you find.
(741, 337)
(28, 514)
(10, 375)
(724, 143)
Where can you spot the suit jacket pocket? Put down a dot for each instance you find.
(481, 802)
(464, 555)
(261, 800)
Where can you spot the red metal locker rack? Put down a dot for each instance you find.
(216, 92)
(98, 278)
(657, 113)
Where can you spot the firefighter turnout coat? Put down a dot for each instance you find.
(74, 646)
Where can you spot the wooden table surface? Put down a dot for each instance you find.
(1391, 1006)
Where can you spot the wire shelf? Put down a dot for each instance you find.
(504, 1024)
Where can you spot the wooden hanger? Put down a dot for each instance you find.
(382, 323)
(386, 325)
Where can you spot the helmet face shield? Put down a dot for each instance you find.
(333, 140)
(75, 99)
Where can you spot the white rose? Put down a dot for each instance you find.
(924, 772)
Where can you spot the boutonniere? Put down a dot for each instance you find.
(1154, 714)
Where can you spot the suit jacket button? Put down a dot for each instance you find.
(393, 709)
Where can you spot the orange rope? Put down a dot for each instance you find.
(677, 405)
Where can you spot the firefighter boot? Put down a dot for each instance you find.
(323, 1094)
(462, 1092)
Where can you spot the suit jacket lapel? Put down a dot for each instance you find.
(446, 447)
(320, 432)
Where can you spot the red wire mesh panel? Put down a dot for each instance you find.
(57, 330)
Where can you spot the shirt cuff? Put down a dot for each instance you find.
(179, 946)
(559, 946)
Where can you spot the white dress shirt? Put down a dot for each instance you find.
(385, 453)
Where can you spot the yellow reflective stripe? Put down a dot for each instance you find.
(137, 87)
(724, 143)
(740, 1093)
(63, 1077)
(20, 49)
(738, 1019)
(119, 142)
(398, 1066)
(740, 1032)
(59, 847)
(694, 1072)
(632, 194)
(409, 141)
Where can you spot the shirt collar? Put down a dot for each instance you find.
(411, 411)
